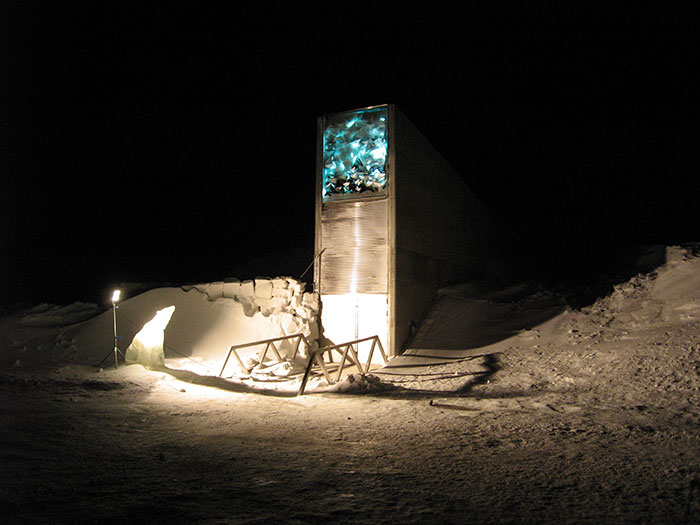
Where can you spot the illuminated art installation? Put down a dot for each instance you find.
(147, 347)
(354, 153)
(394, 223)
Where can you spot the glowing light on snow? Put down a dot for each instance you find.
(353, 316)
(172, 389)
(147, 347)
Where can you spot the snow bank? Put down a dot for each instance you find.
(669, 294)
(208, 318)
(46, 314)
(677, 287)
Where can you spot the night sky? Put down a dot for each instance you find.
(177, 144)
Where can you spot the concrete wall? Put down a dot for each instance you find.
(441, 231)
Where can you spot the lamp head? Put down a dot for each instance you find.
(115, 295)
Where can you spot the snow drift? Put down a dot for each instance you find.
(207, 319)
(590, 417)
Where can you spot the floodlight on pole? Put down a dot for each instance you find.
(115, 298)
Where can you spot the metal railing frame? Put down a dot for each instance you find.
(269, 343)
(348, 349)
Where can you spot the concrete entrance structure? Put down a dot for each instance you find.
(394, 223)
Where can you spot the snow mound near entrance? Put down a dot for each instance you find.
(670, 294)
(207, 320)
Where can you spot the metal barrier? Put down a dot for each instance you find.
(347, 350)
(269, 343)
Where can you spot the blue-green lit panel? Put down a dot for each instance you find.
(354, 153)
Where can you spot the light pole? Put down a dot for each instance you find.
(115, 298)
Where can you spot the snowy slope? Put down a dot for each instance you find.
(581, 415)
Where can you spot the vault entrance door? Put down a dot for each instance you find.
(354, 270)
(355, 316)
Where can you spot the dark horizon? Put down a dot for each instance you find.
(177, 145)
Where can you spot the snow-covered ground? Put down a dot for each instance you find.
(511, 407)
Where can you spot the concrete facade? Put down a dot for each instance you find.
(397, 247)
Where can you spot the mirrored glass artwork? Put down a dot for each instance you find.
(354, 153)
